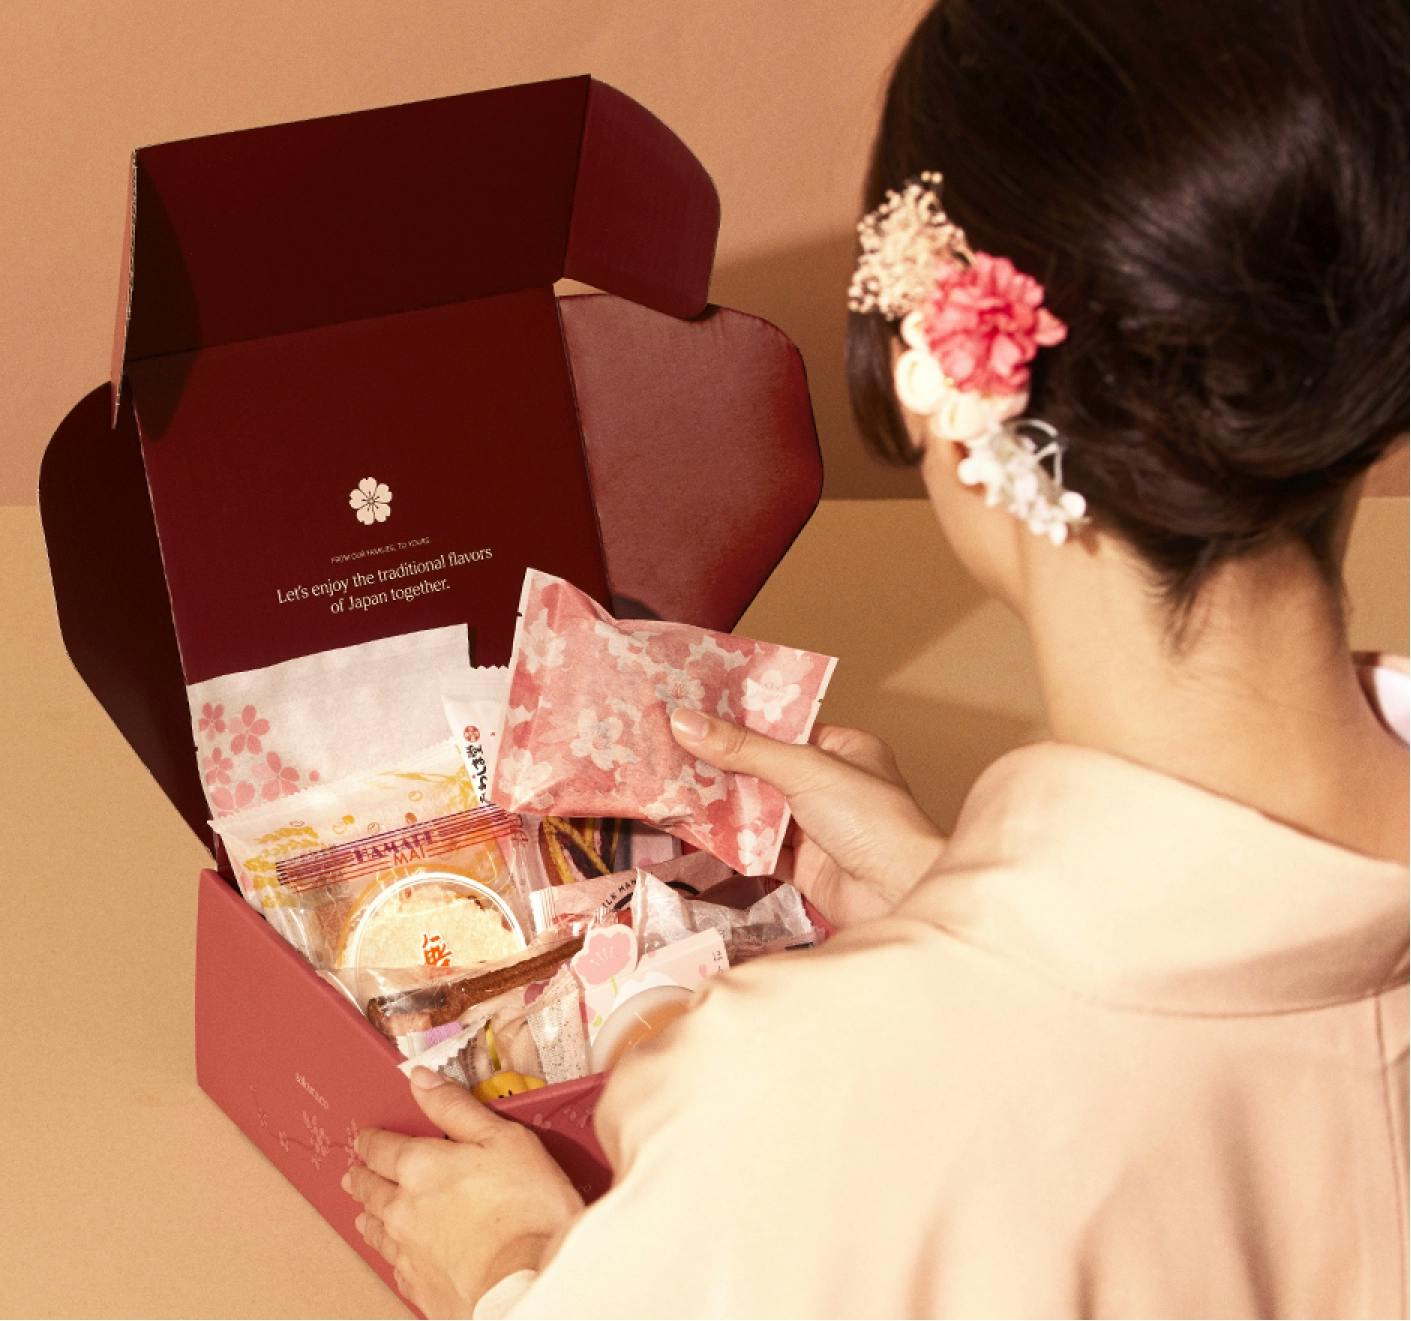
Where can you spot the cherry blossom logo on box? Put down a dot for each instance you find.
(371, 501)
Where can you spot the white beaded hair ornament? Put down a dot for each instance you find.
(971, 324)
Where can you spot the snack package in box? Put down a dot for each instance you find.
(587, 729)
(566, 851)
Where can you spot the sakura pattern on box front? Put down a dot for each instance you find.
(587, 726)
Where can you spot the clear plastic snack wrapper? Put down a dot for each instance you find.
(660, 915)
(573, 907)
(587, 726)
(425, 1002)
(421, 786)
(534, 1033)
(443, 893)
(631, 995)
(397, 872)
(620, 965)
(571, 850)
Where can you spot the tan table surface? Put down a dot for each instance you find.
(127, 1192)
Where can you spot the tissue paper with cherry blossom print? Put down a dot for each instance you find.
(262, 735)
(587, 729)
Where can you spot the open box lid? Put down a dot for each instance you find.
(266, 231)
(694, 437)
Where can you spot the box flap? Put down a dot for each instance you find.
(112, 599)
(294, 226)
(701, 451)
(462, 415)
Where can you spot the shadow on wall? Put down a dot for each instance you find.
(927, 661)
(802, 289)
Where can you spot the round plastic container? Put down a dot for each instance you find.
(424, 921)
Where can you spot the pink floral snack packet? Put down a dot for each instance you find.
(587, 727)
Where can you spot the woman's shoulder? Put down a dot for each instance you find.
(886, 1022)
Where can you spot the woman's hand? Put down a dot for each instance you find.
(454, 1218)
(863, 841)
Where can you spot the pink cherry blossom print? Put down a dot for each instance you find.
(709, 649)
(216, 767)
(276, 779)
(600, 740)
(680, 688)
(236, 799)
(625, 649)
(212, 721)
(541, 649)
(523, 779)
(371, 501)
(606, 954)
(249, 728)
(769, 695)
(588, 733)
(757, 847)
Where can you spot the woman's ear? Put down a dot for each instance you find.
(950, 454)
(940, 467)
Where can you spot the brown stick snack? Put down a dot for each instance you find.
(426, 1007)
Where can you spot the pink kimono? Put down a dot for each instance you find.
(1133, 1050)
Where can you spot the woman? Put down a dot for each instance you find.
(1133, 1040)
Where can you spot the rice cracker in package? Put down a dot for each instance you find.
(395, 869)
(587, 729)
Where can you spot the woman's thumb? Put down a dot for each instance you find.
(789, 767)
(451, 1108)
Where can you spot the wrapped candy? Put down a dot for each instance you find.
(587, 730)
(661, 915)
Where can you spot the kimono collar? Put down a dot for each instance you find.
(1138, 889)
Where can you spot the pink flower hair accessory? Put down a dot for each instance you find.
(972, 323)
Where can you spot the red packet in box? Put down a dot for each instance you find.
(587, 728)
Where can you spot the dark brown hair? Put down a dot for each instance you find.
(1214, 195)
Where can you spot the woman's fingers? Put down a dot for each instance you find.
(858, 748)
(375, 1235)
(453, 1109)
(792, 768)
(789, 767)
(846, 793)
(383, 1152)
(833, 793)
(371, 1189)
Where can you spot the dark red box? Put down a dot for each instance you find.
(307, 303)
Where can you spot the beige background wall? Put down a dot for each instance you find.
(777, 97)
